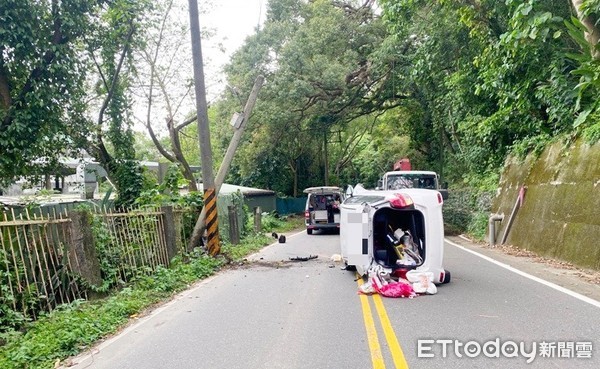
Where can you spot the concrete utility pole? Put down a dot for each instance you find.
(201, 223)
(210, 196)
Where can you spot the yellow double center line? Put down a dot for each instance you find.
(388, 331)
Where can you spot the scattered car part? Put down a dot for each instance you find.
(304, 258)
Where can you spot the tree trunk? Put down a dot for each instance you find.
(593, 34)
(294, 168)
(326, 159)
(176, 147)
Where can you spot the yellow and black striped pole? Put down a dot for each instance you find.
(212, 223)
(208, 180)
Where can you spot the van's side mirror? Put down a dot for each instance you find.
(445, 185)
(349, 191)
(444, 193)
(380, 184)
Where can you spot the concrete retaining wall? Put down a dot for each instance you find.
(560, 217)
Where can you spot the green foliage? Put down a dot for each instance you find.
(592, 133)
(180, 275)
(110, 258)
(129, 180)
(9, 318)
(68, 329)
(467, 211)
(42, 78)
(486, 80)
(271, 221)
(71, 328)
(250, 244)
(168, 193)
(327, 69)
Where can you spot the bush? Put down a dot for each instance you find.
(466, 211)
(272, 221)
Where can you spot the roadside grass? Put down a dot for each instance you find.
(72, 328)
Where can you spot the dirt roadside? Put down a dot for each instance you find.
(583, 281)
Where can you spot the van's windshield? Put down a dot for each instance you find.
(410, 180)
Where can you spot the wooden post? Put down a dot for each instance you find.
(257, 219)
(169, 231)
(234, 229)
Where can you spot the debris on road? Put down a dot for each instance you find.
(366, 288)
(395, 289)
(304, 258)
(336, 258)
(422, 282)
(413, 283)
(282, 239)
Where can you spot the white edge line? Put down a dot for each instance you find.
(527, 275)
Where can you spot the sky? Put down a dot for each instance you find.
(233, 21)
(230, 22)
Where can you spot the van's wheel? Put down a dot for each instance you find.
(447, 277)
(309, 231)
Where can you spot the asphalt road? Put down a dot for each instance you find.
(275, 313)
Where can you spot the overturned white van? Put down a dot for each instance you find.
(399, 230)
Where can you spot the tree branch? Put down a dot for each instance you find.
(115, 76)
(186, 123)
(158, 145)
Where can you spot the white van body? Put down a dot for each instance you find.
(370, 217)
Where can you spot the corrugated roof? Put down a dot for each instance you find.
(227, 188)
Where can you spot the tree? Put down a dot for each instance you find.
(584, 31)
(587, 13)
(326, 64)
(50, 53)
(110, 140)
(42, 75)
(489, 77)
(165, 83)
